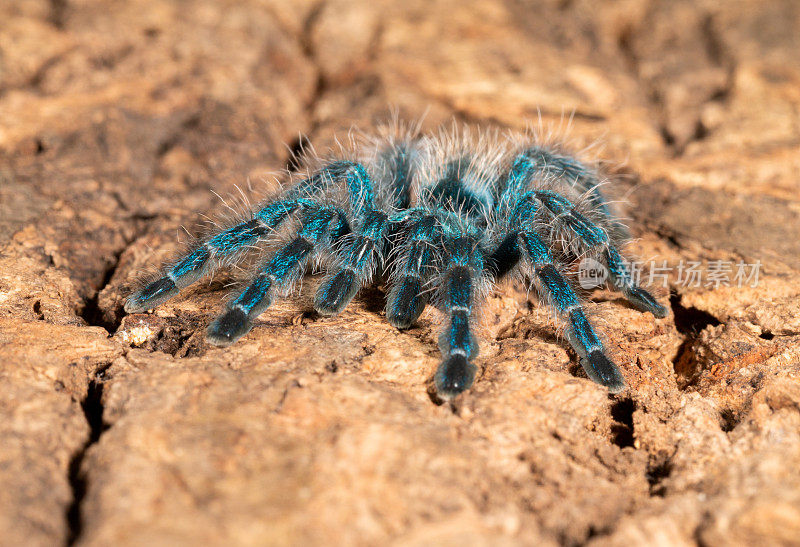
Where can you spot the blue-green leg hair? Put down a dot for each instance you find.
(208, 254)
(358, 261)
(562, 297)
(412, 271)
(399, 162)
(538, 162)
(353, 175)
(594, 237)
(318, 224)
(458, 288)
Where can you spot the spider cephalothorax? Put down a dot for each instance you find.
(444, 217)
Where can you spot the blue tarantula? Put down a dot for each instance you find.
(444, 217)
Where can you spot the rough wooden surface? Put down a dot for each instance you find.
(118, 119)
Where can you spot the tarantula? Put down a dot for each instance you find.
(444, 217)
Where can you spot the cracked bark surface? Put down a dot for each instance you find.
(117, 121)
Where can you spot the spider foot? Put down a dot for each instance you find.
(336, 292)
(644, 301)
(454, 376)
(603, 371)
(157, 292)
(229, 327)
(407, 304)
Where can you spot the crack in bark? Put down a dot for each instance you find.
(689, 322)
(95, 315)
(297, 150)
(91, 311)
(622, 433)
(92, 406)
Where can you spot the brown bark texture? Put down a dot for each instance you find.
(120, 122)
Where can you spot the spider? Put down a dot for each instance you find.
(443, 217)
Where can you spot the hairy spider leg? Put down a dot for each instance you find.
(360, 255)
(505, 257)
(278, 273)
(595, 237)
(207, 255)
(360, 192)
(399, 162)
(563, 299)
(571, 170)
(515, 183)
(458, 344)
(407, 297)
(539, 161)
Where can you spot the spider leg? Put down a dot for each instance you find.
(407, 299)
(595, 237)
(359, 186)
(458, 344)
(317, 225)
(399, 162)
(360, 255)
(505, 257)
(207, 255)
(580, 333)
(538, 160)
(508, 253)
